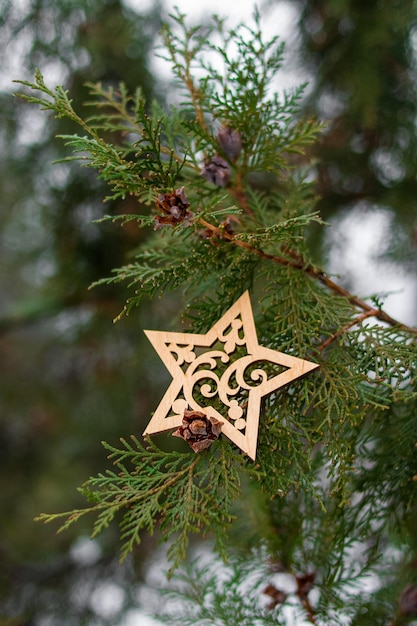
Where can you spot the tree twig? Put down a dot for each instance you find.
(342, 331)
(240, 195)
(298, 263)
(309, 610)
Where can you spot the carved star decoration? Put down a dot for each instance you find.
(223, 374)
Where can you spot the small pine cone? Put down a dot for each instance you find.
(217, 171)
(198, 430)
(408, 600)
(230, 142)
(175, 206)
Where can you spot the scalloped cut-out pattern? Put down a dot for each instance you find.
(224, 374)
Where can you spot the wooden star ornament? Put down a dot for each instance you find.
(219, 380)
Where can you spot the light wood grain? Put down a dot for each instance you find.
(220, 375)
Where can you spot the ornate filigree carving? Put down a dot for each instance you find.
(227, 380)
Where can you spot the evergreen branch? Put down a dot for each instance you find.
(142, 220)
(57, 100)
(338, 289)
(298, 263)
(125, 108)
(155, 165)
(342, 331)
(323, 442)
(239, 193)
(182, 48)
(186, 493)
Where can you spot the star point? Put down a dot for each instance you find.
(218, 373)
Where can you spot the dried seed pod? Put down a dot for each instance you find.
(175, 206)
(217, 171)
(198, 430)
(230, 142)
(408, 600)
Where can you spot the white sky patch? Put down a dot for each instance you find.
(357, 241)
(280, 19)
(199, 8)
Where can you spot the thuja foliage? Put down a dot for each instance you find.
(223, 185)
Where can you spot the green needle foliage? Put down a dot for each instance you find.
(179, 491)
(222, 183)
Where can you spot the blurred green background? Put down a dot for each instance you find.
(69, 377)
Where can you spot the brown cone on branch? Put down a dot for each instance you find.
(198, 430)
(217, 171)
(230, 142)
(175, 206)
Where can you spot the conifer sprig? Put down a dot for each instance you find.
(178, 493)
(224, 175)
(157, 166)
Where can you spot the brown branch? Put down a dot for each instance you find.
(309, 610)
(305, 583)
(194, 94)
(342, 331)
(195, 99)
(240, 196)
(298, 263)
